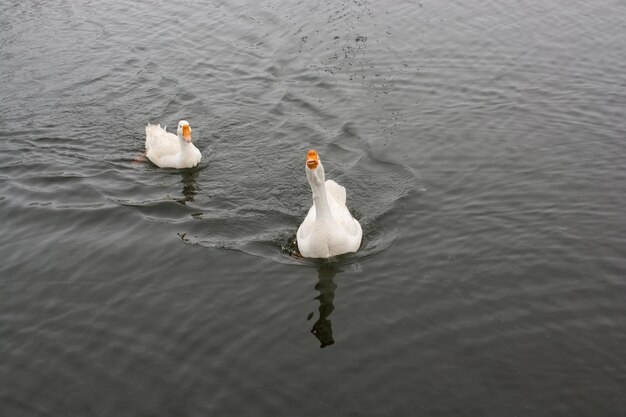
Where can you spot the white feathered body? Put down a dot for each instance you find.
(167, 150)
(329, 235)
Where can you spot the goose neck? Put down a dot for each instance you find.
(320, 200)
(184, 145)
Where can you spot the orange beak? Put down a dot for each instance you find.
(312, 160)
(187, 133)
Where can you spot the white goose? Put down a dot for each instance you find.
(328, 229)
(168, 151)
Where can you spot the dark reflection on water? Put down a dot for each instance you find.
(189, 180)
(323, 328)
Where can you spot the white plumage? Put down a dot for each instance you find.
(167, 150)
(328, 229)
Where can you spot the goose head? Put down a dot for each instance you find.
(184, 131)
(314, 169)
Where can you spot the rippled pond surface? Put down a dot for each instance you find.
(482, 145)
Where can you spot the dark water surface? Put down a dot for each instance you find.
(483, 148)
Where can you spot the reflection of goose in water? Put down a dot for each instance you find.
(323, 328)
(189, 180)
